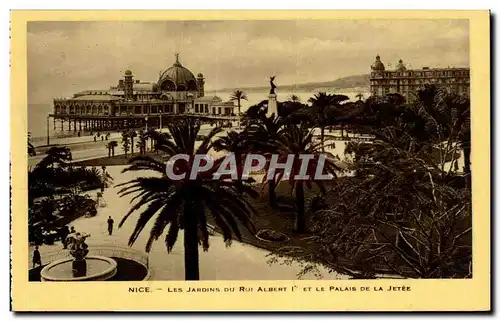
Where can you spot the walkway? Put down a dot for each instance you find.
(237, 262)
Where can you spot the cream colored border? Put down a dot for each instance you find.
(427, 295)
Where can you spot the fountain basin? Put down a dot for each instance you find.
(99, 268)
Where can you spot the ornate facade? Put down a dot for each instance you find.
(131, 102)
(406, 82)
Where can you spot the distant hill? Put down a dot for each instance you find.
(357, 82)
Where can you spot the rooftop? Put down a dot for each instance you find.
(97, 97)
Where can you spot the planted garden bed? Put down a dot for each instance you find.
(269, 235)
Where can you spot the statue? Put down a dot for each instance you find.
(273, 86)
(79, 250)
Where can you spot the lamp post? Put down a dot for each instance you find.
(160, 119)
(48, 139)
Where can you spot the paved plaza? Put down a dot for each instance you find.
(237, 262)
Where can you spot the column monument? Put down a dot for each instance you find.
(272, 105)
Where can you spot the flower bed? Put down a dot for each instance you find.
(269, 235)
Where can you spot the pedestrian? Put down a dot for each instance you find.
(37, 259)
(110, 225)
(64, 235)
(102, 138)
(95, 139)
(72, 230)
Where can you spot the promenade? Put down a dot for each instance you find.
(237, 262)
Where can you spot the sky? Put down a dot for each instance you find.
(67, 57)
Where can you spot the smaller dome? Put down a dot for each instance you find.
(128, 72)
(378, 65)
(200, 75)
(400, 66)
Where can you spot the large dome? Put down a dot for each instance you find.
(378, 65)
(400, 66)
(177, 78)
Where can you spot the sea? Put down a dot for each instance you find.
(37, 113)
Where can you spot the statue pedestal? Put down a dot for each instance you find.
(79, 268)
(272, 106)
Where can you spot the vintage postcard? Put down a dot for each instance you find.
(250, 161)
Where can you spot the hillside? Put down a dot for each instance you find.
(357, 82)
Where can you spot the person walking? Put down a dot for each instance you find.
(110, 225)
(37, 259)
(64, 236)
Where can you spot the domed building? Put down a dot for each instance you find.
(406, 82)
(178, 78)
(378, 65)
(400, 66)
(132, 102)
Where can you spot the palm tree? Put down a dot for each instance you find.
(237, 96)
(443, 118)
(236, 143)
(141, 143)
(186, 204)
(60, 156)
(112, 145)
(297, 140)
(125, 142)
(263, 135)
(294, 98)
(324, 109)
(320, 112)
(131, 135)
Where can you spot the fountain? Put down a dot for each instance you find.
(81, 267)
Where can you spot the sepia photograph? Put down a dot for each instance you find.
(249, 150)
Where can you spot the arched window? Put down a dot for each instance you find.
(167, 85)
(192, 86)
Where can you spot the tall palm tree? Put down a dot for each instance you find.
(297, 140)
(237, 96)
(294, 98)
(236, 143)
(186, 204)
(112, 145)
(324, 110)
(125, 142)
(360, 96)
(56, 155)
(444, 117)
(320, 112)
(262, 135)
(142, 137)
(132, 134)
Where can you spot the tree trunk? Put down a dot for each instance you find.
(113, 151)
(322, 138)
(131, 145)
(109, 152)
(467, 172)
(300, 220)
(191, 262)
(271, 192)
